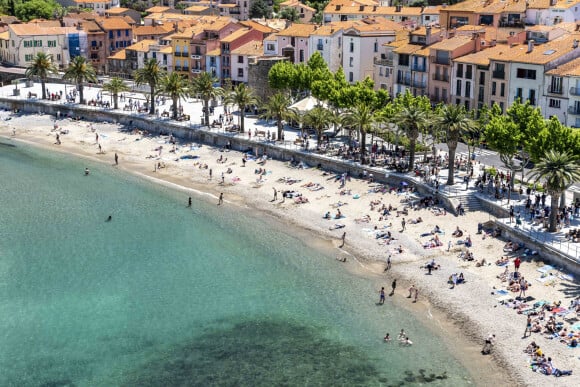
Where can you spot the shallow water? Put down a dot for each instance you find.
(169, 295)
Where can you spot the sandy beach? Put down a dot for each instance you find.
(464, 314)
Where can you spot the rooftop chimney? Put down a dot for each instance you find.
(530, 45)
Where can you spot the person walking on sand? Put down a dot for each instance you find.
(100, 149)
(382, 296)
(97, 138)
(517, 263)
(221, 199)
(403, 223)
(275, 195)
(210, 173)
(411, 291)
(394, 286)
(388, 263)
(343, 239)
(57, 139)
(416, 295)
(116, 159)
(528, 327)
(189, 202)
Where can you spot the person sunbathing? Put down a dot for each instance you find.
(338, 214)
(436, 230)
(481, 263)
(502, 261)
(337, 226)
(327, 215)
(415, 221)
(457, 233)
(364, 219)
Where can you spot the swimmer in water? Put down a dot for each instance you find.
(387, 337)
(109, 218)
(87, 171)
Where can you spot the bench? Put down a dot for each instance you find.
(298, 141)
(261, 133)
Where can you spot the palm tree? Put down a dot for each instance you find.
(242, 96)
(41, 66)
(411, 118)
(319, 118)
(558, 170)
(278, 108)
(362, 117)
(115, 86)
(151, 74)
(80, 71)
(203, 86)
(177, 87)
(455, 122)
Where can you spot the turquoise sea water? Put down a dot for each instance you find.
(166, 295)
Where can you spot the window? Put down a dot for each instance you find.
(28, 57)
(350, 61)
(126, 32)
(376, 48)
(351, 47)
(526, 74)
(380, 71)
(442, 57)
(467, 89)
(467, 105)
(460, 70)
(240, 73)
(240, 59)
(52, 43)
(13, 43)
(501, 106)
(457, 101)
(110, 34)
(118, 33)
(58, 57)
(519, 94)
(458, 87)
(437, 94)
(468, 71)
(493, 88)
(502, 89)
(556, 85)
(403, 60)
(554, 103)
(301, 56)
(350, 77)
(482, 78)
(532, 97)
(444, 95)
(499, 71)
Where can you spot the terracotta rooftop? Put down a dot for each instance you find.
(451, 44)
(422, 31)
(116, 10)
(215, 52)
(157, 9)
(257, 26)
(253, 48)
(32, 29)
(541, 54)
(152, 30)
(482, 58)
(570, 69)
(113, 23)
(372, 10)
(407, 49)
(142, 46)
(299, 30)
(5, 35)
(121, 55)
(293, 3)
(376, 24)
(235, 35)
(197, 8)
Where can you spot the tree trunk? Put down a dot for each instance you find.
(152, 101)
(555, 197)
(451, 176)
(279, 128)
(116, 101)
(563, 199)
(81, 93)
(412, 145)
(43, 84)
(363, 146)
(206, 112)
(174, 107)
(242, 119)
(318, 136)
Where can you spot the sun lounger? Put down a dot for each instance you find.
(545, 268)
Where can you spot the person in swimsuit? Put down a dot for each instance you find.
(382, 296)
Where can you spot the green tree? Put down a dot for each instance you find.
(282, 76)
(177, 87)
(362, 117)
(115, 86)
(151, 75)
(290, 13)
(278, 108)
(36, 9)
(41, 67)
(558, 171)
(203, 86)
(504, 135)
(242, 96)
(555, 136)
(455, 122)
(259, 9)
(319, 118)
(80, 71)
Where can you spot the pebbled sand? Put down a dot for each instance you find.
(464, 316)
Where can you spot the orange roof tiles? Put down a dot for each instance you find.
(299, 30)
(407, 48)
(482, 58)
(157, 9)
(294, 3)
(253, 48)
(257, 26)
(113, 23)
(116, 10)
(570, 69)
(451, 44)
(540, 55)
(142, 46)
(31, 29)
(151, 30)
(121, 55)
(235, 35)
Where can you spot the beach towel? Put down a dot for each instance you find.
(545, 279)
(558, 310)
(575, 327)
(502, 292)
(356, 196)
(545, 268)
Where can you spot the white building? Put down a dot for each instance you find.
(327, 40)
(557, 11)
(562, 98)
(241, 59)
(98, 6)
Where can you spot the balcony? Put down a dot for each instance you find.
(497, 74)
(574, 110)
(440, 77)
(440, 61)
(419, 84)
(181, 54)
(194, 56)
(404, 81)
(95, 48)
(177, 68)
(419, 67)
(196, 70)
(575, 90)
(555, 89)
(383, 62)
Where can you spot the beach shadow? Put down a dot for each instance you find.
(570, 290)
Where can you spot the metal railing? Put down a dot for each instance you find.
(498, 74)
(574, 110)
(575, 90)
(419, 67)
(440, 77)
(383, 62)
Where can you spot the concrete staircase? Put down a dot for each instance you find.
(470, 202)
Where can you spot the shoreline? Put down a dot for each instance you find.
(463, 330)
